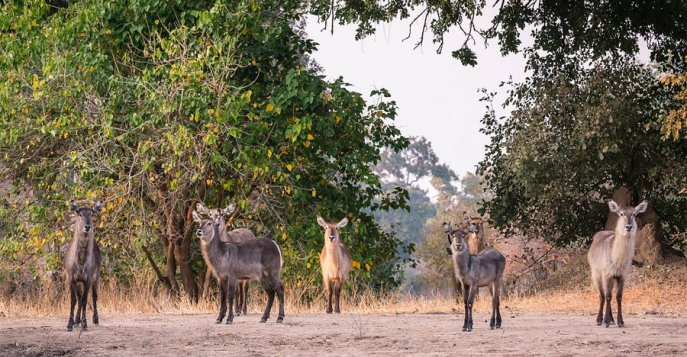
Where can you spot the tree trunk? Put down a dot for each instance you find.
(206, 282)
(177, 236)
(171, 269)
(183, 254)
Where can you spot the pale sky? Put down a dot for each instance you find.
(436, 96)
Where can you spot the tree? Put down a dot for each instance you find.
(564, 29)
(570, 39)
(153, 106)
(570, 142)
(405, 169)
(675, 78)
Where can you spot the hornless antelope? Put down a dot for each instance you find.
(475, 233)
(234, 236)
(255, 259)
(335, 261)
(610, 259)
(82, 264)
(475, 271)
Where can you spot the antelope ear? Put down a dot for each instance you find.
(342, 223)
(466, 216)
(229, 210)
(641, 207)
(196, 217)
(322, 223)
(447, 227)
(201, 209)
(98, 206)
(73, 206)
(614, 207)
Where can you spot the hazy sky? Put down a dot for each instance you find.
(437, 96)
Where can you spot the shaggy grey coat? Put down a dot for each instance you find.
(257, 259)
(475, 271)
(234, 236)
(82, 265)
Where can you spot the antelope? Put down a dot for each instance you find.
(335, 261)
(82, 265)
(236, 236)
(610, 260)
(255, 259)
(475, 271)
(475, 233)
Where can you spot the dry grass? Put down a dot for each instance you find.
(658, 298)
(661, 290)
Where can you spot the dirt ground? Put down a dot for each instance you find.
(345, 334)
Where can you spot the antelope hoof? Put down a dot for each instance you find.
(237, 313)
(607, 324)
(84, 325)
(229, 322)
(280, 320)
(95, 322)
(621, 324)
(69, 329)
(263, 320)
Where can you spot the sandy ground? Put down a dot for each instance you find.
(346, 334)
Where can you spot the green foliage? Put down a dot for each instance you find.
(674, 78)
(570, 142)
(591, 28)
(151, 106)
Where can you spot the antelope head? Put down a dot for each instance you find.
(215, 214)
(473, 223)
(331, 230)
(208, 228)
(84, 215)
(458, 243)
(627, 216)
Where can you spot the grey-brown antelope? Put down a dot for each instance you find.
(256, 259)
(475, 271)
(610, 259)
(335, 261)
(234, 236)
(472, 230)
(82, 265)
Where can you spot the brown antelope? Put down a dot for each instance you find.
(82, 265)
(234, 236)
(255, 259)
(335, 261)
(610, 260)
(475, 271)
(475, 233)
